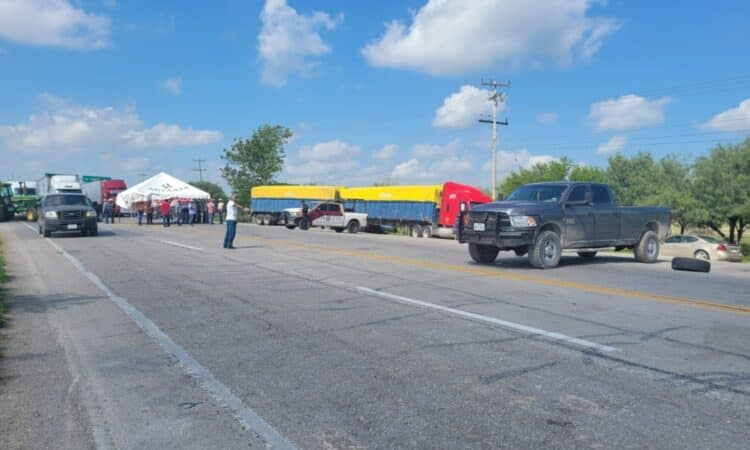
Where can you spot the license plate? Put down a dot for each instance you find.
(73, 226)
(478, 227)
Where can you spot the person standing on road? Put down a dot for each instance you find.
(107, 210)
(191, 212)
(231, 222)
(141, 210)
(210, 208)
(185, 212)
(220, 210)
(165, 218)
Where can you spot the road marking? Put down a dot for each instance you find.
(177, 244)
(244, 414)
(503, 323)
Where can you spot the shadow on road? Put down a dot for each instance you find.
(522, 262)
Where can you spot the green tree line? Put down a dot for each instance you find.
(712, 190)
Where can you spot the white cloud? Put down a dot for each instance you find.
(173, 85)
(440, 170)
(448, 37)
(75, 128)
(385, 152)
(509, 161)
(547, 118)
(731, 120)
(133, 164)
(288, 41)
(52, 23)
(612, 146)
(326, 151)
(627, 112)
(463, 108)
(431, 151)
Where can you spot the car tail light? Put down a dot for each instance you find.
(721, 247)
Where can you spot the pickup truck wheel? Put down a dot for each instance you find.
(353, 227)
(338, 229)
(416, 231)
(647, 250)
(546, 251)
(586, 254)
(482, 253)
(304, 223)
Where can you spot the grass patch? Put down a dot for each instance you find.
(2, 285)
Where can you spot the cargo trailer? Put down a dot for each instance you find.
(267, 203)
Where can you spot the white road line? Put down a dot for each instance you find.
(244, 414)
(492, 320)
(177, 244)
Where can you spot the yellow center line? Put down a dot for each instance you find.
(498, 273)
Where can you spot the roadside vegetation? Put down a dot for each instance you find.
(2, 285)
(711, 192)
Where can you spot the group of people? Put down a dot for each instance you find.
(180, 211)
(189, 212)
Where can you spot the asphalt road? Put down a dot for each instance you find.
(145, 337)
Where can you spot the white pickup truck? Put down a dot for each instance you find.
(326, 214)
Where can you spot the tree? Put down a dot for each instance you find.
(588, 173)
(722, 182)
(548, 171)
(633, 179)
(213, 189)
(675, 189)
(255, 161)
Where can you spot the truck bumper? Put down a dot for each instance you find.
(502, 240)
(57, 225)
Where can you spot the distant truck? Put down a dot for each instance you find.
(420, 211)
(100, 191)
(267, 203)
(542, 219)
(52, 183)
(326, 214)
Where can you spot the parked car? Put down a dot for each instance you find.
(68, 213)
(701, 247)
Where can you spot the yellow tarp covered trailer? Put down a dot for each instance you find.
(424, 193)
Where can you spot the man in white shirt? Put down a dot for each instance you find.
(231, 222)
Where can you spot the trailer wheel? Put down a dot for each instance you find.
(352, 227)
(30, 215)
(416, 231)
(691, 265)
(266, 219)
(427, 231)
(257, 219)
(482, 253)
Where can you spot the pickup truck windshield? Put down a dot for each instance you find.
(538, 193)
(66, 200)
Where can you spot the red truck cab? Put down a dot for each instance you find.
(456, 194)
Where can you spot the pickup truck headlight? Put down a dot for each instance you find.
(90, 213)
(523, 221)
(50, 215)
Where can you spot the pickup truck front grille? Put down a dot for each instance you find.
(492, 221)
(71, 214)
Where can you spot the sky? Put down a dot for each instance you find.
(373, 91)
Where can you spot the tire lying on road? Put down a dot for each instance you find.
(691, 265)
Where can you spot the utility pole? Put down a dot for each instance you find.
(200, 168)
(495, 98)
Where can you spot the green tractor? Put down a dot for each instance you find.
(24, 199)
(6, 207)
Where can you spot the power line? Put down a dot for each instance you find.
(200, 168)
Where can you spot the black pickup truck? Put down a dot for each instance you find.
(542, 219)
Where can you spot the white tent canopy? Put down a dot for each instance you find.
(160, 186)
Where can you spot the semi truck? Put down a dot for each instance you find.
(267, 203)
(101, 190)
(420, 211)
(52, 183)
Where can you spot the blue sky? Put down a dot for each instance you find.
(373, 91)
